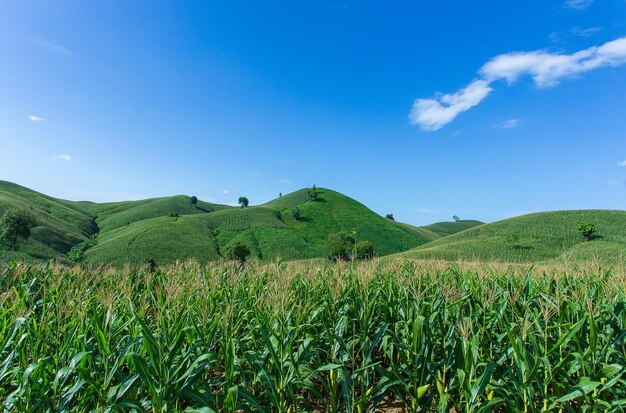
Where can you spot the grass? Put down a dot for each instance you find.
(535, 237)
(412, 335)
(60, 224)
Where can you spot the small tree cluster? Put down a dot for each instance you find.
(243, 201)
(586, 230)
(193, 200)
(238, 252)
(312, 194)
(456, 218)
(341, 246)
(295, 213)
(390, 216)
(15, 225)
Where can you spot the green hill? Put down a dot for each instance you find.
(269, 231)
(59, 224)
(167, 229)
(535, 237)
(443, 229)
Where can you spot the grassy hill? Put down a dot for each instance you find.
(59, 224)
(443, 229)
(167, 229)
(535, 237)
(269, 231)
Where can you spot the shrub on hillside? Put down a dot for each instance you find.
(193, 200)
(586, 230)
(238, 252)
(364, 250)
(339, 245)
(15, 225)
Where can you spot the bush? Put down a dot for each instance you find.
(390, 216)
(587, 230)
(238, 252)
(339, 246)
(364, 250)
(193, 200)
(77, 253)
(15, 225)
(312, 194)
(173, 214)
(295, 213)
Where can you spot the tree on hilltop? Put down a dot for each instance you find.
(390, 216)
(243, 201)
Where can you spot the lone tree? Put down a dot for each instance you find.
(243, 201)
(364, 250)
(587, 230)
(238, 252)
(312, 193)
(456, 218)
(390, 216)
(339, 245)
(295, 213)
(15, 225)
(193, 200)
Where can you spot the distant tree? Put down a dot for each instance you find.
(390, 216)
(238, 252)
(193, 200)
(312, 194)
(15, 225)
(339, 245)
(295, 213)
(364, 250)
(587, 230)
(173, 214)
(243, 201)
(456, 218)
(280, 194)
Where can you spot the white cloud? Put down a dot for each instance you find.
(433, 114)
(577, 4)
(34, 118)
(506, 124)
(622, 163)
(577, 31)
(226, 191)
(546, 70)
(616, 183)
(63, 157)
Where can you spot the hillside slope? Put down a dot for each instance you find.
(269, 231)
(535, 237)
(59, 224)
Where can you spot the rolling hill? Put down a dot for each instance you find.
(173, 228)
(534, 237)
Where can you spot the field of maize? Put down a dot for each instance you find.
(411, 336)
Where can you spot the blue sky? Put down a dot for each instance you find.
(420, 109)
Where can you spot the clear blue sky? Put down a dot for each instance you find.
(391, 103)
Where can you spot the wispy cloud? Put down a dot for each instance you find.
(226, 192)
(545, 69)
(433, 114)
(577, 4)
(577, 31)
(34, 118)
(622, 163)
(53, 47)
(63, 157)
(616, 183)
(506, 124)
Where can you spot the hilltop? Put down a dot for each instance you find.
(173, 228)
(534, 237)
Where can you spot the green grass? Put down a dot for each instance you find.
(269, 231)
(443, 229)
(59, 224)
(287, 338)
(535, 237)
(117, 214)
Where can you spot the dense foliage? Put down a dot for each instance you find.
(316, 337)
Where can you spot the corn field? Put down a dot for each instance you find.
(372, 337)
